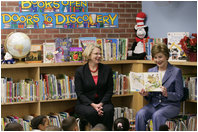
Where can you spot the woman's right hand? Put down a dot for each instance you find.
(98, 108)
(143, 92)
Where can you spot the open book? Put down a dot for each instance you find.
(150, 81)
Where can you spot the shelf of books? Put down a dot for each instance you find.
(43, 88)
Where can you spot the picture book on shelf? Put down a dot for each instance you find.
(176, 52)
(84, 41)
(48, 52)
(123, 48)
(75, 54)
(150, 81)
(63, 47)
(35, 55)
(100, 42)
(111, 45)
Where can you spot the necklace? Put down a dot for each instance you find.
(94, 70)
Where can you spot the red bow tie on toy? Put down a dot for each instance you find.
(138, 39)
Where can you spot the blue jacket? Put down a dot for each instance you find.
(173, 81)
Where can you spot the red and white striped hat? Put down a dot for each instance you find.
(140, 17)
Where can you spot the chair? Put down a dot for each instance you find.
(180, 118)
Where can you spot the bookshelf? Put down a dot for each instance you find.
(133, 100)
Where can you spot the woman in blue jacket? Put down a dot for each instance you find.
(165, 104)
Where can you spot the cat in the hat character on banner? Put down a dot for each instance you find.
(137, 50)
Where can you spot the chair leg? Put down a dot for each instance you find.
(176, 125)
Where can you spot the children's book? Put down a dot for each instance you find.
(114, 48)
(101, 43)
(48, 52)
(35, 55)
(84, 41)
(63, 47)
(123, 48)
(75, 54)
(176, 52)
(150, 81)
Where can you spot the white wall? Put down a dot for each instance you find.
(170, 16)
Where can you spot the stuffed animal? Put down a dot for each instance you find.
(8, 59)
(137, 49)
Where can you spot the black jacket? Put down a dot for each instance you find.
(86, 89)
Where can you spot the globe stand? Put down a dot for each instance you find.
(20, 61)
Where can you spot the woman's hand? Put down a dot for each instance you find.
(164, 91)
(143, 92)
(98, 108)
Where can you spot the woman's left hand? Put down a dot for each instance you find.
(164, 91)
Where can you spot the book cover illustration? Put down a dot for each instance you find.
(62, 49)
(101, 43)
(150, 81)
(76, 54)
(176, 52)
(35, 55)
(84, 41)
(48, 52)
(114, 50)
(123, 48)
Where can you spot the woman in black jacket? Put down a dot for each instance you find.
(94, 89)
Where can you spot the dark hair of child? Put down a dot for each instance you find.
(52, 128)
(99, 127)
(121, 124)
(84, 125)
(13, 127)
(163, 128)
(69, 124)
(37, 120)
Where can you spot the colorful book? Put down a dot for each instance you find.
(150, 81)
(63, 48)
(114, 44)
(76, 54)
(48, 52)
(176, 52)
(35, 55)
(123, 48)
(101, 43)
(84, 41)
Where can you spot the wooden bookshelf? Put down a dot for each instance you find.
(33, 71)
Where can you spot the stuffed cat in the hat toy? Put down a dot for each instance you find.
(141, 33)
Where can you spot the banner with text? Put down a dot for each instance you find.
(53, 6)
(27, 20)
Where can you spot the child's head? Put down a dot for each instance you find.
(70, 124)
(39, 122)
(163, 128)
(99, 127)
(121, 124)
(84, 125)
(52, 128)
(13, 127)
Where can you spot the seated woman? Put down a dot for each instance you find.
(165, 104)
(94, 89)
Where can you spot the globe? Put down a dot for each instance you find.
(18, 44)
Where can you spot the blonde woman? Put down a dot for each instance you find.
(94, 89)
